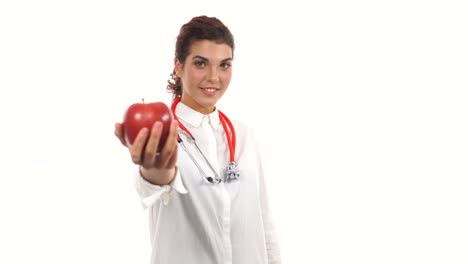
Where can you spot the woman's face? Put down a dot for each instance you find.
(205, 75)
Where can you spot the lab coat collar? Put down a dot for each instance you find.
(195, 118)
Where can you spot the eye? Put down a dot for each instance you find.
(200, 64)
(225, 65)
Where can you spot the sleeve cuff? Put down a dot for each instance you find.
(150, 193)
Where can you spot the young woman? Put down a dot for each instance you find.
(205, 189)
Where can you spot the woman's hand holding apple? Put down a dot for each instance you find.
(156, 167)
(154, 147)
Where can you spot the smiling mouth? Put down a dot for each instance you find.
(210, 90)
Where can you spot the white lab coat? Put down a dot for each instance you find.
(193, 221)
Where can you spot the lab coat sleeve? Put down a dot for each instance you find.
(150, 193)
(271, 240)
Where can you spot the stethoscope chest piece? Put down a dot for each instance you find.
(232, 172)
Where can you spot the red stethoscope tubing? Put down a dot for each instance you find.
(227, 126)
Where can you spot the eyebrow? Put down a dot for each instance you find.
(206, 59)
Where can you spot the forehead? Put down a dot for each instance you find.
(210, 50)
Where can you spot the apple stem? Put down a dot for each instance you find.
(143, 100)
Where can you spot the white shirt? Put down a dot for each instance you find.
(193, 221)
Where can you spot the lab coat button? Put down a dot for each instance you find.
(165, 198)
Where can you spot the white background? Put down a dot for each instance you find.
(360, 107)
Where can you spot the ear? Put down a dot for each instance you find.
(178, 67)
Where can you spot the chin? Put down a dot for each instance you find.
(208, 103)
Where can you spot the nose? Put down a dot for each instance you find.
(213, 74)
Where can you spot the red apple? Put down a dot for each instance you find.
(140, 115)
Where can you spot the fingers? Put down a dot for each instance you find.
(144, 150)
(136, 149)
(151, 149)
(118, 132)
(170, 148)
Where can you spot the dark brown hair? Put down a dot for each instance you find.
(198, 28)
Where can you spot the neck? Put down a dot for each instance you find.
(205, 111)
(196, 106)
